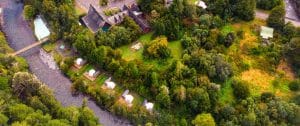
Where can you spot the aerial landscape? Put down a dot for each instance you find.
(149, 62)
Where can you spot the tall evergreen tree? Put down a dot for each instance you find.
(245, 9)
(276, 18)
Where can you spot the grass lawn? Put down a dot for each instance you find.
(49, 46)
(176, 49)
(129, 54)
(79, 72)
(227, 93)
(227, 29)
(101, 79)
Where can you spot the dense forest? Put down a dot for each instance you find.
(204, 81)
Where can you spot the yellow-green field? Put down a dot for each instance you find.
(260, 73)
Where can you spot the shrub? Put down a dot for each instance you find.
(230, 37)
(204, 120)
(103, 2)
(267, 96)
(289, 30)
(240, 33)
(276, 18)
(297, 99)
(3, 83)
(158, 48)
(240, 89)
(80, 85)
(3, 120)
(267, 4)
(295, 85)
(29, 12)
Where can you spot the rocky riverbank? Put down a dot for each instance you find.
(20, 35)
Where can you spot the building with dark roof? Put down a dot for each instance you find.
(93, 20)
(96, 19)
(137, 15)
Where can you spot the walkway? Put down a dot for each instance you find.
(29, 47)
(20, 35)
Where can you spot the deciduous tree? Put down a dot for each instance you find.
(204, 120)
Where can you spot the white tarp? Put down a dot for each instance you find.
(40, 28)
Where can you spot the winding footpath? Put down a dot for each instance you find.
(20, 35)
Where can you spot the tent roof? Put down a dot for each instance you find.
(149, 106)
(266, 32)
(129, 98)
(40, 28)
(110, 84)
(79, 61)
(92, 72)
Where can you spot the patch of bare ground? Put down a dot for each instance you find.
(286, 69)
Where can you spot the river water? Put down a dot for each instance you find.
(20, 35)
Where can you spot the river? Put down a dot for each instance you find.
(20, 35)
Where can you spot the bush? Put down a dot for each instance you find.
(295, 85)
(267, 96)
(276, 18)
(103, 2)
(3, 120)
(289, 30)
(79, 85)
(240, 89)
(29, 12)
(229, 39)
(297, 99)
(267, 4)
(3, 83)
(158, 48)
(204, 120)
(240, 33)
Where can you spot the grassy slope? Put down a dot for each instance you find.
(259, 73)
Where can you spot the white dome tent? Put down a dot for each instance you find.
(201, 4)
(79, 61)
(92, 72)
(149, 106)
(128, 99)
(110, 84)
